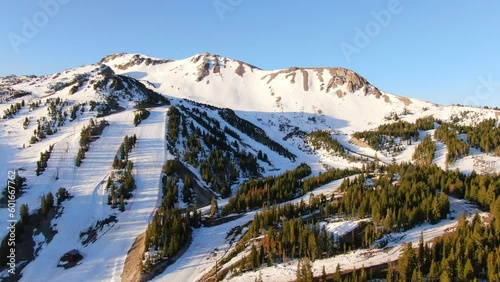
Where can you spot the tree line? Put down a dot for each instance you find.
(254, 132)
(273, 189)
(140, 115)
(470, 253)
(485, 136)
(386, 133)
(121, 181)
(322, 139)
(41, 165)
(457, 148)
(425, 151)
(88, 135)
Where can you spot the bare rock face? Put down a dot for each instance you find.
(352, 81)
(134, 60)
(240, 70)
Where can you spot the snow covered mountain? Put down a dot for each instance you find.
(259, 118)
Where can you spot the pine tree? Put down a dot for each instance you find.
(122, 203)
(116, 162)
(214, 208)
(242, 264)
(304, 270)
(338, 274)
(186, 189)
(44, 208)
(24, 214)
(421, 253)
(363, 277)
(50, 200)
(468, 271)
(254, 258)
(389, 276)
(434, 271)
(262, 255)
(61, 195)
(407, 262)
(323, 274)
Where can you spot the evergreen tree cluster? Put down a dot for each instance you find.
(218, 170)
(174, 121)
(62, 195)
(46, 204)
(170, 229)
(254, 132)
(211, 124)
(384, 136)
(187, 189)
(170, 191)
(121, 182)
(220, 162)
(425, 151)
(170, 188)
(192, 148)
(41, 165)
(456, 148)
(77, 81)
(32, 106)
(470, 253)
(273, 189)
(121, 158)
(312, 183)
(232, 133)
(127, 85)
(140, 115)
(286, 234)
(88, 135)
(57, 114)
(479, 189)
(393, 206)
(485, 135)
(304, 271)
(8, 94)
(425, 123)
(13, 110)
(322, 139)
(18, 184)
(168, 232)
(73, 112)
(418, 195)
(43, 129)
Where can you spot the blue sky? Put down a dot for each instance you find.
(442, 51)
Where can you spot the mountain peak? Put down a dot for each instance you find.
(123, 61)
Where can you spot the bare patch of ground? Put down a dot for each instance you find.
(240, 70)
(359, 143)
(132, 271)
(405, 100)
(305, 76)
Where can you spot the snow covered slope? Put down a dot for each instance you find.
(284, 105)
